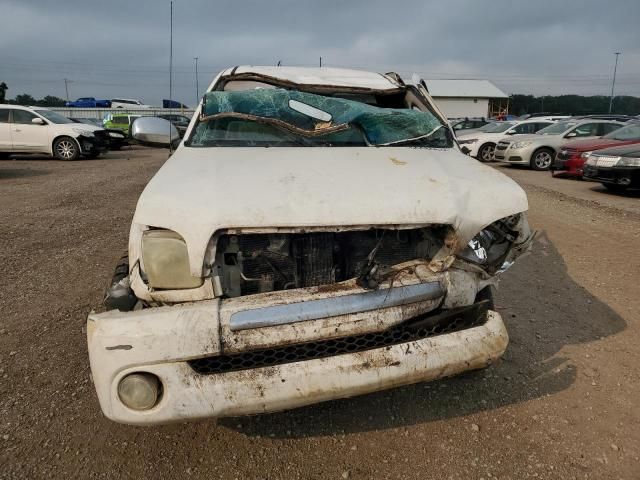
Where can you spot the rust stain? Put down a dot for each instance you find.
(397, 161)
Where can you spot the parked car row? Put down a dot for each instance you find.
(603, 148)
(39, 130)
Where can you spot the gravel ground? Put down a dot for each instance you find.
(561, 404)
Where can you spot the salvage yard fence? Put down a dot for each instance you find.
(100, 113)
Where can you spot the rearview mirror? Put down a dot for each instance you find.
(310, 111)
(37, 121)
(154, 132)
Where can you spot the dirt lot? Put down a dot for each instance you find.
(563, 403)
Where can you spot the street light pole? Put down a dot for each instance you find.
(197, 88)
(613, 83)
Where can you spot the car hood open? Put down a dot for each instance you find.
(201, 190)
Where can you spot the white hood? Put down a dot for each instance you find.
(201, 190)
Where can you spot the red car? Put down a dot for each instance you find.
(571, 157)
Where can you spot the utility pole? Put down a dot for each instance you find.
(320, 61)
(66, 87)
(197, 87)
(613, 83)
(170, 73)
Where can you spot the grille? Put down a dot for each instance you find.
(425, 326)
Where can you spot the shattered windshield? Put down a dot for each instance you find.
(279, 117)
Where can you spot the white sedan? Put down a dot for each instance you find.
(481, 144)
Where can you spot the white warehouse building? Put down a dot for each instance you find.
(468, 98)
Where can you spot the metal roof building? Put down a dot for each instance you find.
(468, 98)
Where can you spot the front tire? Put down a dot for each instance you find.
(486, 152)
(66, 148)
(542, 159)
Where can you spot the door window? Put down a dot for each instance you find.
(608, 128)
(4, 115)
(586, 130)
(23, 117)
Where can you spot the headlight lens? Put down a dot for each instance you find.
(166, 261)
(467, 141)
(585, 155)
(520, 145)
(82, 131)
(490, 248)
(116, 135)
(628, 162)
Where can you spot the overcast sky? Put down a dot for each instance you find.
(121, 48)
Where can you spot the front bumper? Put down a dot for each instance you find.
(567, 165)
(622, 176)
(177, 344)
(91, 145)
(518, 156)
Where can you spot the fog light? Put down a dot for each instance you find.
(624, 181)
(139, 391)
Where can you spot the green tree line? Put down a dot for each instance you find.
(26, 99)
(573, 104)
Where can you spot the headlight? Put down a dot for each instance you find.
(585, 155)
(467, 141)
(116, 135)
(491, 247)
(604, 161)
(518, 145)
(628, 162)
(166, 261)
(82, 131)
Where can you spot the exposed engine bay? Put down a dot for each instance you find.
(246, 264)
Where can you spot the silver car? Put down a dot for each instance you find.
(539, 150)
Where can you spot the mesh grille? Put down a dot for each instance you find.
(419, 328)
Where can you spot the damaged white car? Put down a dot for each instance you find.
(316, 235)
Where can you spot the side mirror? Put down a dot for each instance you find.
(154, 132)
(465, 150)
(571, 134)
(37, 121)
(510, 132)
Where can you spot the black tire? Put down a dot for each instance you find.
(486, 152)
(542, 159)
(614, 188)
(66, 148)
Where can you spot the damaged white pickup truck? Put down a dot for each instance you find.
(316, 235)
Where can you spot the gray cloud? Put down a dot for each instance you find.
(120, 48)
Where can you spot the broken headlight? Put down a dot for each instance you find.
(490, 248)
(166, 261)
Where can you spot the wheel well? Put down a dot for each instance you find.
(485, 144)
(549, 149)
(65, 136)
